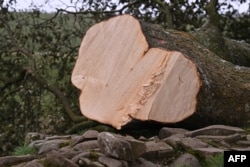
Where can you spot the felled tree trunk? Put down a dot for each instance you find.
(128, 70)
(236, 52)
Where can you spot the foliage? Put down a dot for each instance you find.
(24, 150)
(38, 51)
(32, 40)
(180, 15)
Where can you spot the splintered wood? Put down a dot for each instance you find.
(121, 78)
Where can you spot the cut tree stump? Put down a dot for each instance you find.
(127, 69)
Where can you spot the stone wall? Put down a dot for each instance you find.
(172, 147)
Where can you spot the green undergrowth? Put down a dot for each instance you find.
(210, 161)
(24, 150)
(214, 161)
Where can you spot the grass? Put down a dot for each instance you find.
(215, 161)
(24, 150)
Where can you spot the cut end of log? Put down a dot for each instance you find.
(121, 78)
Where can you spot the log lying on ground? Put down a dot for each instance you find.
(128, 70)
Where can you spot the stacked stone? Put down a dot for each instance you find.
(173, 147)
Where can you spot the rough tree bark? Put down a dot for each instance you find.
(128, 70)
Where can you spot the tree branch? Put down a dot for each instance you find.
(166, 10)
(212, 12)
(9, 81)
(9, 93)
(17, 47)
(53, 89)
(100, 12)
(42, 82)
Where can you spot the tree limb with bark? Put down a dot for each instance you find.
(127, 69)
